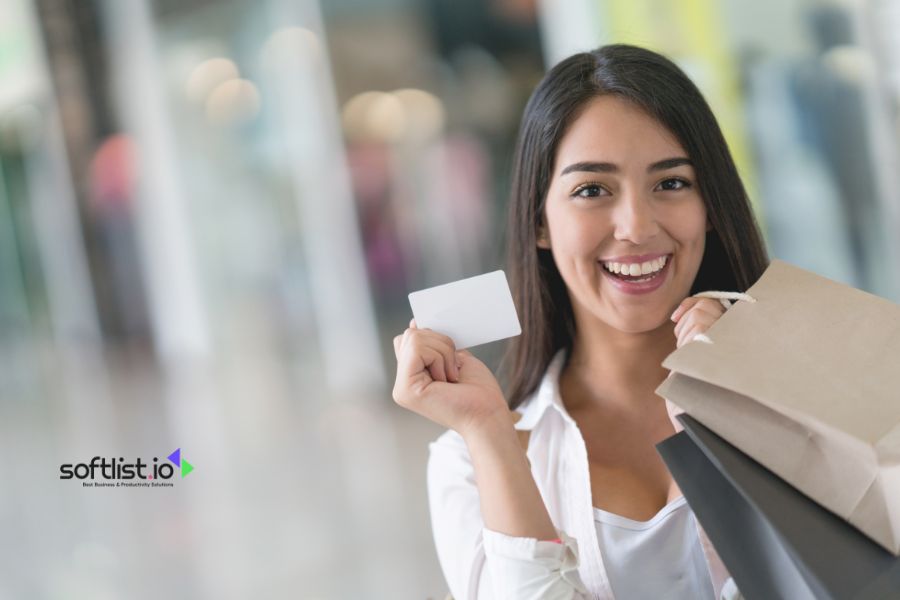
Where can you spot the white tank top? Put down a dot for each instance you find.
(659, 558)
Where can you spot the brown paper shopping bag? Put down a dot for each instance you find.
(803, 375)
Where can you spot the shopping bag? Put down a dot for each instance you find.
(775, 542)
(803, 375)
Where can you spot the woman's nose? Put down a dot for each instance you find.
(635, 219)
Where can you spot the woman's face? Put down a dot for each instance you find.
(623, 188)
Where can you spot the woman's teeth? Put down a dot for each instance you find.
(636, 269)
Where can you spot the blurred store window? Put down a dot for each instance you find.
(430, 94)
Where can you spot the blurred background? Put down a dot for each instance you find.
(211, 213)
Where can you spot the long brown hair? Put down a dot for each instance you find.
(735, 255)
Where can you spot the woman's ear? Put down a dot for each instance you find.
(543, 238)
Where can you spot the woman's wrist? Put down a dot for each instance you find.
(489, 426)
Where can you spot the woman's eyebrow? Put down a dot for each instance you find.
(669, 163)
(606, 167)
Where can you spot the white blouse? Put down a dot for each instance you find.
(667, 548)
(593, 562)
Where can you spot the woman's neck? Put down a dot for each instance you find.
(613, 369)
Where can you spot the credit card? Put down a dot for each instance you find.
(471, 311)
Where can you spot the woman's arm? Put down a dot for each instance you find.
(478, 562)
(486, 507)
(510, 501)
(455, 389)
(526, 557)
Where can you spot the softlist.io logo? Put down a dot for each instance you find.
(112, 472)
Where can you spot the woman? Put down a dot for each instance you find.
(625, 202)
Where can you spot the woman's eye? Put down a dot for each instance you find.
(590, 190)
(674, 184)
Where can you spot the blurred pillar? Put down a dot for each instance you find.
(876, 25)
(299, 74)
(51, 195)
(569, 26)
(179, 324)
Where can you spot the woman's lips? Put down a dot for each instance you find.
(642, 287)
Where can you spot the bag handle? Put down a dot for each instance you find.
(725, 298)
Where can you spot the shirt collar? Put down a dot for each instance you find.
(547, 395)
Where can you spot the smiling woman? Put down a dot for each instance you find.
(625, 202)
(626, 198)
(632, 103)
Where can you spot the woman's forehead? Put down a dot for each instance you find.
(610, 129)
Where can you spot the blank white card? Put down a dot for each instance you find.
(470, 311)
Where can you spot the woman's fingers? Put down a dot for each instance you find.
(688, 336)
(447, 348)
(418, 367)
(706, 308)
(688, 320)
(696, 320)
(692, 303)
(397, 340)
(693, 326)
(709, 305)
(422, 345)
(684, 306)
(692, 320)
(435, 363)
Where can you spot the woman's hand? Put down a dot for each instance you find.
(450, 387)
(694, 316)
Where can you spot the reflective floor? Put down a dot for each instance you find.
(292, 495)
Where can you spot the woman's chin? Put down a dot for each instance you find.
(643, 323)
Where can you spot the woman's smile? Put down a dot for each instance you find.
(640, 278)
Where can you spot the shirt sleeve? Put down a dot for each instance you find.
(531, 569)
(481, 564)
